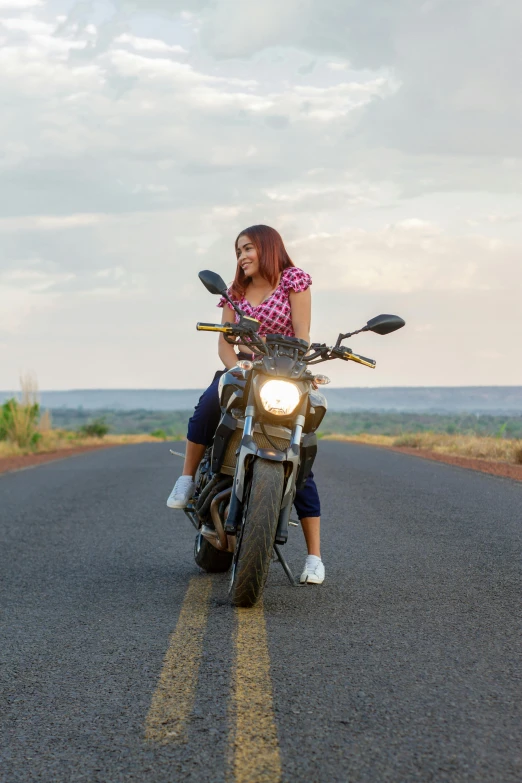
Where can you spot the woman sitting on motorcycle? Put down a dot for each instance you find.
(267, 286)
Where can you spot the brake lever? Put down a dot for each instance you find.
(246, 334)
(249, 323)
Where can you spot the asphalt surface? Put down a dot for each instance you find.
(403, 666)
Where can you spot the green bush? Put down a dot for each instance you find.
(5, 419)
(19, 422)
(97, 428)
(161, 434)
(501, 430)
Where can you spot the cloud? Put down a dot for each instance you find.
(148, 44)
(19, 5)
(49, 222)
(137, 139)
(25, 294)
(138, 274)
(513, 218)
(130, 127)
(410, 255)
(466, 101)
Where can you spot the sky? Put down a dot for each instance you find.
(139, 137)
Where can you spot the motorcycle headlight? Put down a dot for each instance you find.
(279, 397)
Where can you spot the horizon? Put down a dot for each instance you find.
(480, 400)
(198, 388)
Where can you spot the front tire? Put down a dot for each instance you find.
(255, 541)
(210, 559)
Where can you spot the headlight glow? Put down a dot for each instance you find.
(279, 397)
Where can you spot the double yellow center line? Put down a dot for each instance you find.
(173, 698)
(253, 744)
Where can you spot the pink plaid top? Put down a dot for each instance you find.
(275, 312)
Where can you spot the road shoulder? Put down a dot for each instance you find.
(21, 462)
(504, 469)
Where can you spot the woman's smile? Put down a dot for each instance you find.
(247, 256)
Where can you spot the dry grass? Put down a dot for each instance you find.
(29, 386)
(471, 446)
(26, 435)
(62, 440)
(45, 424)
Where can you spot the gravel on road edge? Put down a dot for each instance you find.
(11, 464)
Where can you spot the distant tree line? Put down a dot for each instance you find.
(173, 424)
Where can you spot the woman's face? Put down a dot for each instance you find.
(247, 256)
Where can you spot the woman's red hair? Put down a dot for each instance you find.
(271, 253)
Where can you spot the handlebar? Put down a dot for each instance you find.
(354, 357)
(348, 355)
(339, 352)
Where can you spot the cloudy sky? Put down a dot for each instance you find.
(138, 137)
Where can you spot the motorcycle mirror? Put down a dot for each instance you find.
(212, 282)
(384, 324)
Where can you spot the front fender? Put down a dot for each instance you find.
(249, 451)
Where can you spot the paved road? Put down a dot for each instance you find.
(403, 666)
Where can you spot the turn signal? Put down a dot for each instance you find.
(321, 380)
(245, 364)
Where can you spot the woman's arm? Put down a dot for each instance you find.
(301, 306)
(225, 350)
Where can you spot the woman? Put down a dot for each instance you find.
(267, 286)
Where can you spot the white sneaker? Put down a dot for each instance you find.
(313, 573)
(182, 492)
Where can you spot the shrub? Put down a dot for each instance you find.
(96, 428)
(161, 434)
(501, 430)
(18, 422)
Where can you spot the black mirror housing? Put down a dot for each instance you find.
(384, 324)
(213, 282)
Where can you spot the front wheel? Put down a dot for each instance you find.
(255, 541)
(210, 559)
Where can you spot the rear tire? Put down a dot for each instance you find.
(255, 541)
(210, 559)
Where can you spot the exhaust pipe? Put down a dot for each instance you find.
(220, 539)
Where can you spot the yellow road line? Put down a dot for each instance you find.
(255, 747)
(173, 699)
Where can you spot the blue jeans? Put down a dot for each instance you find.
(202, 427)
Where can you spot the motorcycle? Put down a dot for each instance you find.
(263, 449)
